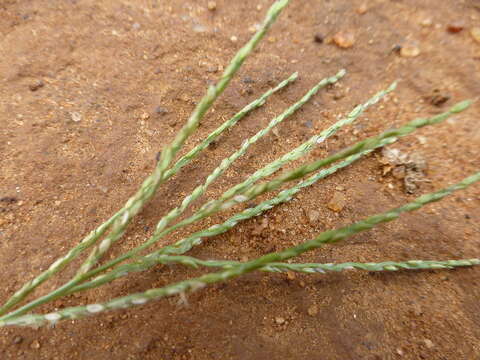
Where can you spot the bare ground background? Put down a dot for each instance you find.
(131, 71)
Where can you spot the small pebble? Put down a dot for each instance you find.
(319, 38)
(338, 202)
(136, 26)
(475, 32)
(426, 22)
(410, 49)
(428, 343)
(455, 27)
(75, 116)
(439, 99)
(344, 39)
(362, 9)
(309, 124)
(400, 352)
(35, 344)
(313, 216)
(313, 310)
(36, 85)
(212, 5)
(212, 69)
(280, 320)
(234, 39)
(198, 28)
(422, 139)
(399, 172)
(17, 340)
(160, 110)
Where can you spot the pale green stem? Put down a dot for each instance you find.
(225, 163)
(121, 219)
(150, 185)
(330, 236)
(173, 214)
(267, 170)
(308, 268)
(184, 160)
(184, 245)
(255, 190)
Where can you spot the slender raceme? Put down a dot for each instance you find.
(174, 213)
(265, 171)
(150, 185)
(326, 237)
(91, 274)
(184, 245)
(119, 221)
(225, 163)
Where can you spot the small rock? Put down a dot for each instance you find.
(426, 22)
(260, 227)
(319, 38)
(160, 110)
(212, 5)
(437, 98)
(400, 352)
(362, 9)
(136, 26)
(344, 39)
(422, 139)
(280, 320)
(291, 275)
(234, 39)
(17, 340)
(313, 216)
(475, 32)
(428, 343)
(212, 69)
(309, 124)
(338, 202)
(410, 49)
(313, 310)
(198, 28)
(36, 85)
(399, 172)
(9, 199)
(393, 156)
(455, 27)
(248, 80)
(35, 344)
(75, 116)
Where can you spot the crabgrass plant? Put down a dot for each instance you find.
(92, 273)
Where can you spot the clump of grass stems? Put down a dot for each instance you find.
(91, 274)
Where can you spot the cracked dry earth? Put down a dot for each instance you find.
(91, 91)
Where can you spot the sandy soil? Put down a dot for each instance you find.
(114, 65)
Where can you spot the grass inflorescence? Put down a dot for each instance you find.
(92, 274)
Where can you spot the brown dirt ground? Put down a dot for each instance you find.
(114, 62)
